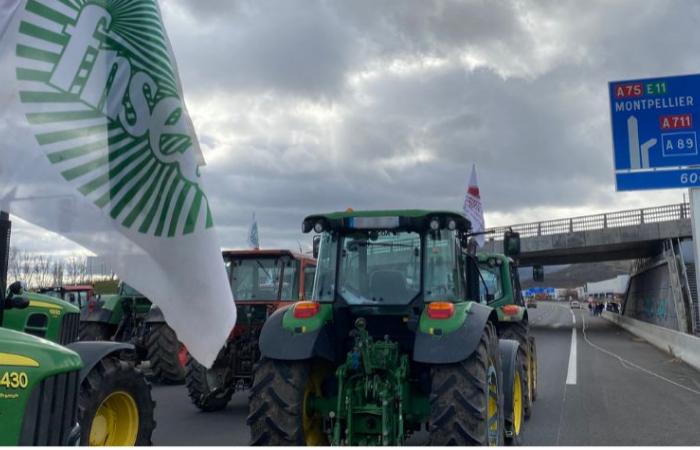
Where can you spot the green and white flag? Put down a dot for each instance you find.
(97, 145)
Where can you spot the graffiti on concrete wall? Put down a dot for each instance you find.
(649, 298)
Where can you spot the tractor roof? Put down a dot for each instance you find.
(271, 253)
(404, 219)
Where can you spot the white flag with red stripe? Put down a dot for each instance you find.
(473, 209)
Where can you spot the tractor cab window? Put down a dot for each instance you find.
(324, 281)
(309, 273)
(256, 278)
(443, 272)
(290, 279)
(379, 267)
(492, 283)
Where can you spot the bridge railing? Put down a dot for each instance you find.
(617, 219)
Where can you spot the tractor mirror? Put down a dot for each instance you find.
(511, 243)
(317, 245)
(538, 273)
(16, 302)
(16, 288)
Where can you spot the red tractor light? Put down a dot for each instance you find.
(510, 310)
(305, 310)
(440, 310)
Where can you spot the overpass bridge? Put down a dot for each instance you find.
(662, 289)
(620, 235)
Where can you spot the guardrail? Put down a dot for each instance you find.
(603, 221)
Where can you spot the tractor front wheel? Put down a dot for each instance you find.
(163, 350)
(208, 388)
(277, 405)
(466, 399)
(115, 407)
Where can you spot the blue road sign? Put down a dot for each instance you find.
(655, 134)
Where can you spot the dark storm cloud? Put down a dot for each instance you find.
(307, 106)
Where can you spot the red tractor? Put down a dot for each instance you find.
(262, 281)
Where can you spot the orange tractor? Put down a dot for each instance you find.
(262, 281)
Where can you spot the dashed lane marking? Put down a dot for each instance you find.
(571, 372)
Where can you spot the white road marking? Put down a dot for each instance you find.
(629, 363)
(571, 372)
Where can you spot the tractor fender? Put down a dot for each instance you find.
(155, 315)
(455, 346)
(508, 350)
(276, 342)
(92, 352)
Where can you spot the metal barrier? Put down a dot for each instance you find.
(603, 221)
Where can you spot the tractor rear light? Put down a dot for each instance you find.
(510, 310)
(440, 310)
(304, 310)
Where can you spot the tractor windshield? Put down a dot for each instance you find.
(271, 278)
(385, 267)
(379, 267)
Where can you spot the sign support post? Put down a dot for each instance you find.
(694, 194)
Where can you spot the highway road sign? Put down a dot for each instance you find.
(655, 127)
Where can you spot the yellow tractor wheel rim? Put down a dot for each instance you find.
(116, 422)
(492, 405)
(311, 422)
(517, 403)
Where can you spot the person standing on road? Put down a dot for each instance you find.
(590, 308)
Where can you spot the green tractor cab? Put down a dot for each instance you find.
(128, 316)
(393, 338)
(48, 380)
(500, 278)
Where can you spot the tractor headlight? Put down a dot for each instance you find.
(451, 224)
(318, 227)
(434, 225)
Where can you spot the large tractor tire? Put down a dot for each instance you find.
(466, 399)
(518, 331)
(514, 386)
(533, 367)
(163, 352)
(94, 331)
(206, 387)
(115, 407)
(276, 405)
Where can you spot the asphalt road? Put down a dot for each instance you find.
(623, 392)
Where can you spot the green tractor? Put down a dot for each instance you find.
(128, 316)
(500, 277)
(49, 382)
(394, 339)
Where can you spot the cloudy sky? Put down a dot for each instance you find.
(312, 106)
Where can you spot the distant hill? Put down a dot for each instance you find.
(576, 275)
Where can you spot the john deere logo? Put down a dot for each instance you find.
(101, 93)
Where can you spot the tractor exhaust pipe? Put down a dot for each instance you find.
(5, 228)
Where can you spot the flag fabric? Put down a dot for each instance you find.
(253, 236)
(472, 207)
(97, 145)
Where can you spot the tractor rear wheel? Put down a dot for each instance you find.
(207, 387)
(533, 367)
(277, 405)
(94, 331)
(518, 331)
(466, 399)
(163, 351)
(115, 407)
